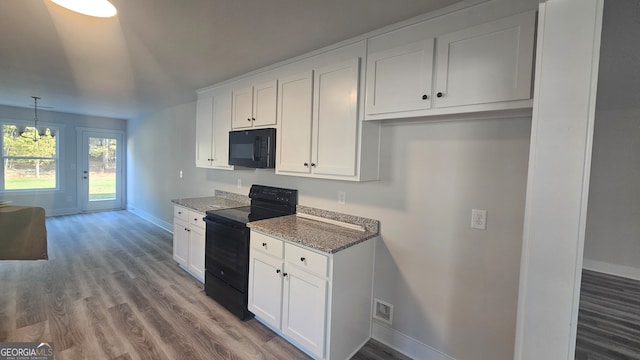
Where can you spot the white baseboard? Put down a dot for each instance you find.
(150, 218)
(406, 344)
(612, 269)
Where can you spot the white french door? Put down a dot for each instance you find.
(100, 169)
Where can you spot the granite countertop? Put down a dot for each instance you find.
(221, 200)
(319, 235)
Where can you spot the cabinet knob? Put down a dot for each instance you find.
(248, 119)
(303, 259)
(253, 119)
(278, 271)
(284, 274)
(425, 97)
(179, 212)
(440, 94)
(313, 164)
(264, 244)
(306, 164)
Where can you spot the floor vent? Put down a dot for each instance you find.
(383, 311)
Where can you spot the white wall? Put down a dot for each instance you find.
(453, 288)
(611, 239)
(157, 148)
(65, 199)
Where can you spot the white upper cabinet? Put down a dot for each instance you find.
(293, 136)
(213, 123)
(320, 128)
(486, 64)
(204, 130)
(399, 79)
(487, 67)
(454, 64)
(255, 106)
(335, 119)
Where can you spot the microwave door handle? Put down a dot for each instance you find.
(256, 148)
(268, 147)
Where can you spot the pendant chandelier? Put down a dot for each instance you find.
(37, 132)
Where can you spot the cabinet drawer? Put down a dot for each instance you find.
(195, 219)
(306, 259)
(180, 213)
(267, 244)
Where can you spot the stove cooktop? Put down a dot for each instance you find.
(244, 214)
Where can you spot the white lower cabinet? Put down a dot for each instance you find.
(304, 305)
(319, 302)
(189, 240)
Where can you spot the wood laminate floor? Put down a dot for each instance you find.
(608, 318)
(111, 290)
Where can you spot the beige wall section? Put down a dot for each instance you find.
(453, 289)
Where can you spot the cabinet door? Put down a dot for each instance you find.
(204, 130)
(196, 252)
(400, 79)
(265, 287)
(488, 63)
(294, 116)
(241, 113)
(221, 128)
(264, 103)
(304, 309)
(181, 242)
(335, 119)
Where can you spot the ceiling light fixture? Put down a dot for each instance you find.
(35, 118)
(97, 8)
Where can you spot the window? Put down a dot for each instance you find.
(30, 157)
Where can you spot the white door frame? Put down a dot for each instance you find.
(558, 180)
(82, 158)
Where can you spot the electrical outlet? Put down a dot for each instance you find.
(479, 219)
(383, 311)
(239, 183)
(342, 197)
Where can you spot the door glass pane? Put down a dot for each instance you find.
(102, 169)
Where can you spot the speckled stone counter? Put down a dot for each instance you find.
(221, 200)
(318, 235)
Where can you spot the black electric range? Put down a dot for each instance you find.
(227, 245)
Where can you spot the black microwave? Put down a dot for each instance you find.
(254, 148)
